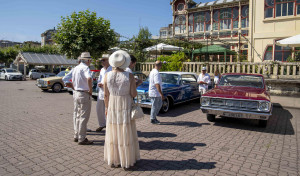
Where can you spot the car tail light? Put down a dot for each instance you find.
(48, 82)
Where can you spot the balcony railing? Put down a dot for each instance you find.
(274, 70)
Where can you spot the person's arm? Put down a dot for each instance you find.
(66, 79)
(90, 83)
(208, 81)
(106, 94)
(159, 91)
(133, 91)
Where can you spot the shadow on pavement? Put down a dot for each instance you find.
(177, 110)
(278, 123)
(155, 134)
(98, 142)
(166, 145)
(184, 123)
(155, 165)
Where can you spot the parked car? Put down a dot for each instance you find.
(10, 74)
(238, 96)
(55, 83)
(177, 87)
(37, 73)
(95, 75)
(138, 75)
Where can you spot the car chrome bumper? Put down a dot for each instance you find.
(42, 86)
(236, 114)
(145, 104)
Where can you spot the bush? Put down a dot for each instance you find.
(173, 62)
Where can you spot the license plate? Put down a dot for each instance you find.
(236, 115)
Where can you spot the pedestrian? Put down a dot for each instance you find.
(131, 67)
(82, 84)
(203, 81)
(100, 107)
(67, 79)
(121, 141)
(155, 92)
(217, 77)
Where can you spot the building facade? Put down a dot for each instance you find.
(7, 43)
(47, 37)
(250, 27)
(166, 32)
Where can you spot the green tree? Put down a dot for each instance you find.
(173, 62)
(141, 41)
(84, 31)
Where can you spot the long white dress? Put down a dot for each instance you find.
(121, 141)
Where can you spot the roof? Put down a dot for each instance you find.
(45, 59)
(216, 2)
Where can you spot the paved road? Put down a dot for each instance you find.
(36, 138)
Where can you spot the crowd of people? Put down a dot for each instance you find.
(117, 90)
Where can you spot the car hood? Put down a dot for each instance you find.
(14, 73)
(144, 87)
(239, 93)
(51, 78)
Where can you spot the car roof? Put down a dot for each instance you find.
(179, 73)
(250, 74)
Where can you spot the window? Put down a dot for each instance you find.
(188, 78)
(216, 17)
(207, 21)
(245, 16)
(225, 18)
(280, 8)
(201, 21)
(281, 53)
(180, 24)
(235, 18)
(297, 53)
(180, 7)
(191, 23)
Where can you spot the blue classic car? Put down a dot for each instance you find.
(177, 87)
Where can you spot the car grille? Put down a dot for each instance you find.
(41, 82)
(234, 104)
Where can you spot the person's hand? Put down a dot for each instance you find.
(100, 85)
(69, 85)
(163, 97)
(90, 93)
(201, 82)
(105, 111)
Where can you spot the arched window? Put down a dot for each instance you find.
(199, 22)
(235, 17)
(281, 53)
(225, 18)
(207, 21)
(216, 16)
(191, 23)
(269, 8)
(268, 53)
(180, 21)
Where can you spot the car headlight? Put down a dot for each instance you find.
(205, 101)
(264, 106)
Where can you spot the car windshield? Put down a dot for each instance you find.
(62, 73)
(167, 78)
(11, 70)
(242, 81)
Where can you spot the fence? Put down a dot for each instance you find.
(274, 70)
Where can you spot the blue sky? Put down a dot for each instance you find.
(25, 20)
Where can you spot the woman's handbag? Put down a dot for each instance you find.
(136, 110)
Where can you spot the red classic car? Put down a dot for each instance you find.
(238, 95)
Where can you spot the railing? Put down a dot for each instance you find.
(274, 70)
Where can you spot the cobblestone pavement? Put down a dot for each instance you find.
(36, 136)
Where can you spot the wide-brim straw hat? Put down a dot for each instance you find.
(85, 55)
(119, 59)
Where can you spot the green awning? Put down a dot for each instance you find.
(213, 49)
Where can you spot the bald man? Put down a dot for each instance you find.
(155, 92)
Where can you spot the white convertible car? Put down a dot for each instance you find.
(10, 74)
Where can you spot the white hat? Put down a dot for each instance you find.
(85, 55)
(204, 68)
(104, 56)
(120, 59)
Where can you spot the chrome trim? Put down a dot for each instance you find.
(244, 114)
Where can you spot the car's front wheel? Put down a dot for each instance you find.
(165, 105)
(211, 117)
(56, 87)
(263, 123)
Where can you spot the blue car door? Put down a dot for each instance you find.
(192, 86)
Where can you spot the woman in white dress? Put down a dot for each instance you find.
(217, 77)
(121, 141)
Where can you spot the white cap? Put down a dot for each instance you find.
(204, 68)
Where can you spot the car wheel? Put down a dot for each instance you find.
(211, 117)
(263, 123)
(56, 87)
(165, 105)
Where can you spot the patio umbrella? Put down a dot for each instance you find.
(293, 41)
(163, 47)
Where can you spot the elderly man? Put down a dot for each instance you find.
(82, 84)
(100, 101)
(155, 92)
(203, 81)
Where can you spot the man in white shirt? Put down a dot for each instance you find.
(203, 81)
(100, 107)
(155, 92)
(82, 84)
